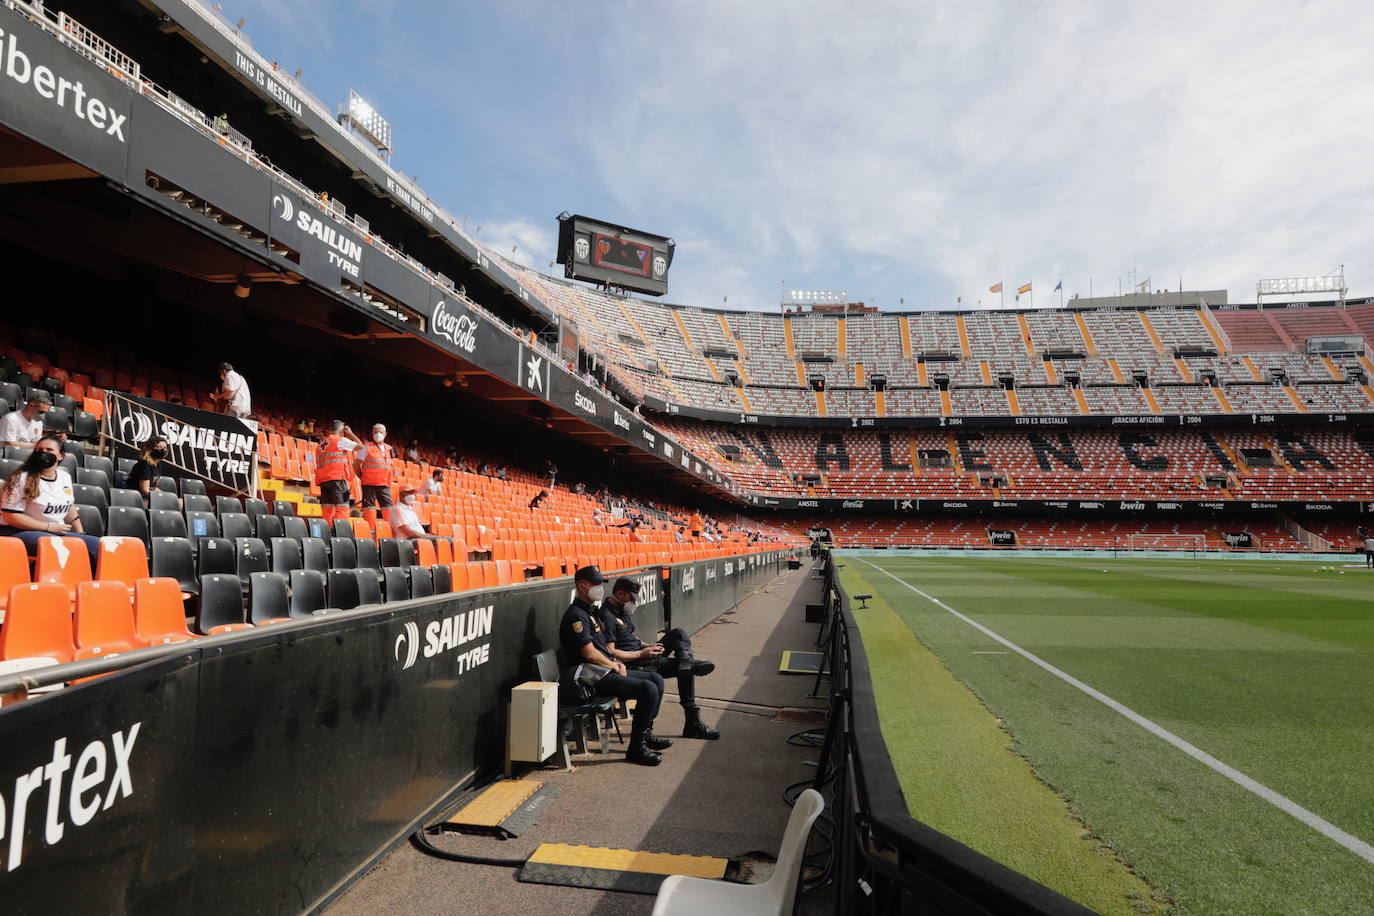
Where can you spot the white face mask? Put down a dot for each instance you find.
(629, 607)
(596, 593)
(408, 499)
(378, 437)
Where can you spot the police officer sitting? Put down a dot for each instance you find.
(585, 649)
(672, 656)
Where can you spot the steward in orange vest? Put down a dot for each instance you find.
(334, 470)
(376, 472)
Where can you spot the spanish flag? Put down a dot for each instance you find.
(995, 288)
(1022, 290)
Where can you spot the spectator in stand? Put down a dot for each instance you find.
(38, 500)
(405, 522)
(377, 471)
(588, 656)
(551, 472)
(145, 470)
(580, 489)
(598, 516)
(501, 473)
(671, 657)
(484, 469)
(435, 484)
(696, 525)
(233, 396)
(413, 453)
(334, 470)
(539, 499)
(678, 534)
(24, 427)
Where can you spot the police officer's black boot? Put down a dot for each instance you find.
(695, 728)
(655, 743)
(640, 754)
(686, 661)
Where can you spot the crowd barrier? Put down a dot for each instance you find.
(887, 862)
(263, 771)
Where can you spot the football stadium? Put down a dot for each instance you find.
(351, 562)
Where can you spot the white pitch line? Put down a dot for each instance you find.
(1353, 843)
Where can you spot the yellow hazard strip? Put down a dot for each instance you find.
(653, 863)
(496, 803)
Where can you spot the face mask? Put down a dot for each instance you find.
(44, 460)
(378, 437)
(408, 499)
(158, 453)
(596, 593)
(629, 607)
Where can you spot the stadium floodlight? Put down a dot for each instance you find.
(1333, 282)
(355, 112)
(817, 297)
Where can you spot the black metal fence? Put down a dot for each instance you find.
(885, 861)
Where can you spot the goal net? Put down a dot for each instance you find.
(1188, 542)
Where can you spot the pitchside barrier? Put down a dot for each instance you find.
(887, 862)
(263, 771)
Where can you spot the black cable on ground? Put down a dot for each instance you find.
(423, 844)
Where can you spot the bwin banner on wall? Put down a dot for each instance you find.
(216, 448)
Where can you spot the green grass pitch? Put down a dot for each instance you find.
(1266, 667)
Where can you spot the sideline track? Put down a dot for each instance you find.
(1352, 843)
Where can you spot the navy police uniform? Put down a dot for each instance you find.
(581, 626)
(677, 657)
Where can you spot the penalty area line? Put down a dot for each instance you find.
(1327, 829)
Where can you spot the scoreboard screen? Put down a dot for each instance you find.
(601, 252)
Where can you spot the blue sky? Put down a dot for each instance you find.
(910, 154)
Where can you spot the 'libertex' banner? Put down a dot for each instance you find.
(216, 448)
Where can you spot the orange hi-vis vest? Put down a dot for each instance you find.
(331, 460)
(376, 466)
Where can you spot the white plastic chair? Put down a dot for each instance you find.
(684, 895)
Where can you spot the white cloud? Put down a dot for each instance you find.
(533, 246)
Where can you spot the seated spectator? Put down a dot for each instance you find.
(435, 484)
(551, 472)
(501, 473)
(580, 489)
(587, 654)
(539, 499)
(24, 427)
(38, 500)
(670, 657)
(145, 470)
(599, 517)
(233, 396)
(413, 452)
(404, 520)
(484, 469)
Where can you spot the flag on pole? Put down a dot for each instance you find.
(1022, 290)
(995, 288)
(1058, 286)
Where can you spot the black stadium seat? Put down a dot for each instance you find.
(343, 528)
(122, 497)
(421, 582)
(343, 589)
(235, 525)
(102, 464)
(307, 592)
(166, 523)
(201, 525)
(343, 554)
(92, 478)
(252, 557)
(220, 604)
(286, 555)
(442, 578)
(173, 558)
(254, 507)
(293, 527)
(125, 521)
(267, 597)
(319, 528)
(389, 551)
(76, 450)
(368, 558)
(91, 496)
(283, 508)
(216, 555)
(197, 502)
(225, 504)
(12, 395)
(192, 487)
(161, 499)
(407, 553)
(165, 483)
(397, 584)
(92, 522)
(315, 555)
(17, 452)
(267, 527)
(8, 466)
(85, 425)
(369, 587)
(57, 420)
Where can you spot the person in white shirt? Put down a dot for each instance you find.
(405, 523)
(233, 396)
(434, 485)
(38, 500)
(24, 427)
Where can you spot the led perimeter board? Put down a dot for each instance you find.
(601, 252)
